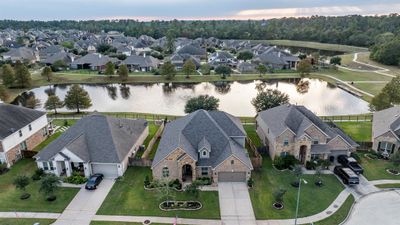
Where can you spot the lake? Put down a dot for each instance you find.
(319, 96)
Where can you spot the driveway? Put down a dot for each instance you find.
(377, 208)
(85, 205)
(235, 204)
(363, 188)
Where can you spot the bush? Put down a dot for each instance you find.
(285, 162)
(75, 179)
(66, 124)
(25, 196)
(311, 165)
(146, 181)
(250, 182)
(204, 180)
(192, 189)
(51, 198)
(3, 168)
(355, 156)
(35, 177)
(175, 184)
(155, 71)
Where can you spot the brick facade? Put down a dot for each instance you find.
(227, 166)
(386, 137)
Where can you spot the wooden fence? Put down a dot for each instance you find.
(140, 162)
(156, 136)
(255, 156)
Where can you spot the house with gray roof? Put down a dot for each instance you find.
(276, 59)
(386, 131)
(23, 54)
(192, 50)
(20, 129)
(95, 144)
(93, 61)
(203, 144)
(222, 58)
(141, 63)
(295, 130)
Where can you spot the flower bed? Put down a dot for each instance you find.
(180, 205)
(393, 172)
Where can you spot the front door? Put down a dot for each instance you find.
(303, 154)
(187, 172)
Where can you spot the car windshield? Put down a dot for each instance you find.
(92, 179)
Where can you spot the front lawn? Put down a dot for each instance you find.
(9, 196)
(22, 221)
(312, 200)
(339, 216)
(128, 197)
(359, 131)
(375, 169)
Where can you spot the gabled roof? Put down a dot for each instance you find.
(189, 132)
(94, 59)
(13, 118)
(97, 138)
(191, 50)
(22, 52)
(143, 61)
(386, 120)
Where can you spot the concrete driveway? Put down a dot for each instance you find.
(235, 204)
(376, 208)
(85, 205)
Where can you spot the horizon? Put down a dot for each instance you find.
(167, 10)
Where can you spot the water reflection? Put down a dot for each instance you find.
(235, 97)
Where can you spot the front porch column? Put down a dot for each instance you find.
(68, 168)
(58, 168)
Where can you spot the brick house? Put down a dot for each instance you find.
(203, 144)
(295, 130)
(386, 131)
(20, 129)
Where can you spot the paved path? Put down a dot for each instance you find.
(377, 208)
(154, 219)
(376, 182)
(36, 215)
(379, 70)
(363, 188)
(346, 84)
(235, 204)
(85, 205)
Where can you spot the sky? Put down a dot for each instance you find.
(146, 10)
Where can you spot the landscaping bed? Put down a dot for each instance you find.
(180, 205)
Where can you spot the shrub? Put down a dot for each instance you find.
(285, 162)
(311, 165)
(204, 180)
(35, 177)
(355, 156)
(250, 182)
(3, 168)
(278, 195)
(146, 181)
(175, 184)
(75, 179)
(192, 189)
(25, 196)
(66, 124)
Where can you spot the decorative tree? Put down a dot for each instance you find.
(318, 173)
(53, 103)
(22, 76)
(32, 102)
(269, 99)
(223, 70)
(336, 60)
(205, 102)
(245, 55)
(7, 75)
(47, 73)
(192, 189)
(20, 182)
(77, 98)
(168, 70)
(123, 72)
(304, 67)
(110, 69)
(297, 171)
(262, 69)
(49, 186)
(205, 69)
(188, 68)
(278, 197)
(165, 192)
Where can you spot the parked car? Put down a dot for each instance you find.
(347, 175)
(351, 163)
(94, 181)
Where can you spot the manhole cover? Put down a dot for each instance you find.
(328, 212)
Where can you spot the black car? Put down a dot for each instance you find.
(351, 163)
(94, 181)
(347, 175)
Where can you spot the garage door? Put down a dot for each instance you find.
(232, 177)
(108, 170)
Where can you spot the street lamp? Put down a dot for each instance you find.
(298, 199)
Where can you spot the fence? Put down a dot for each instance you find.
(349, 118)
(364, 146)
(255, 157)
(140, 162)
(156, 136)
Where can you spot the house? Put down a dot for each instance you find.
(22, 54)
(141, 63)
(95, 144)
(277, 59)
(386, 131)
(179, 60)
(20, 129)
(67, 58)
(295, 130)
(192, 50)
(222, 58)
(93, 61)
(203, 144)
(246, 67)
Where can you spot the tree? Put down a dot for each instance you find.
(223, 71)
(165, 192)
(188, 68)
(170, 45)
(315, 58)
(49, 186)
(59, 65)
(278, 195)
(53, 103)
(105, 48)
(32, 102)
(205, 69)
(387, 53)
(304, 67)
(297, 171)
(7, 75)
(22, 76)
(269, 99)
(168, 70)
(3, 93)
(77, 98)
(380, 102)
(395, 159)
(110, 69)
(20, 182)
(318, 173)
(192, 189)
(47, 73)
(245, 55)
(262, 69)
(336, 60)
(389, 96)
(205, 102)
(123, 72)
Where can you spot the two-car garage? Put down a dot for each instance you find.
(109, 170)
(232, 177)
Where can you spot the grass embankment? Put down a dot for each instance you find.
(375, 169)
(128, 197)
(364, 57)
(314, 45)
(125, 223)
(358, 131)
(396, 185)
(340, 215)
(22, 221)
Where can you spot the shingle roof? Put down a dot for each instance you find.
(97, 138)
(13, 118)
(143, 61)
(191, 50)
(385, 120)
(218, 128)
(94, 59)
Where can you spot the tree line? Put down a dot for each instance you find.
(351, 30)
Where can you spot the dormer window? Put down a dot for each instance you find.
(204, 154)
(315, 141)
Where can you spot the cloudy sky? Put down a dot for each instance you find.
(188, 9)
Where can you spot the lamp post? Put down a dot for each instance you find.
(298, 199)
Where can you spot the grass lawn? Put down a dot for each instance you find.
(347, 75)
(47, 141)
(9, 196)
(387, 185)
(364, 57)
(123, 223)
(340, 215)
(375, 169)
(359, 131)
(152, 131)
(315, 45)
(21, 221)
(154, 149)
(128, 197)
(312, 200)
(252, 135)
(372, 88)
(61, 122)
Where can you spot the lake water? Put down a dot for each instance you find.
(235, 97)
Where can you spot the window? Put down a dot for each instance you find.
(232, 162)
(204, 171)
(286, 142)
(20, 133)
(30, 127)
(45, 166)
(51, 166)
(386, 147)
(204, 153)
(314, 157)
(165, 172)
(316, 141)
(23, 146)
(44, 131)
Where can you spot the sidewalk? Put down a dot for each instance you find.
(154, 219)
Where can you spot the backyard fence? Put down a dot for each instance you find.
(140, 162)
(156, 136)
(364, 146)
(349, 118)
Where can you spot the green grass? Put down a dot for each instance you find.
(347, 75)
(359, 131)
(124, 223)
(47, 141)
(387, 185)
(372, 88)
(9, 196)
(375, 169)
(154, 149)
(312, 200)
(152, 131)
(23, 221)
(252, 135)
(128, 197)
(340, 215)
(315, 45)
(61, 122)
(364, 57)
